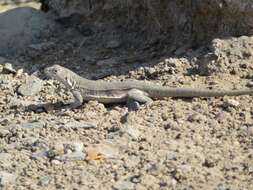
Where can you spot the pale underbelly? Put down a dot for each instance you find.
(106, 99)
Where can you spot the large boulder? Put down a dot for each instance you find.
(181, 21)
(23, 26)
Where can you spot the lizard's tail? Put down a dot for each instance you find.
(189, 92)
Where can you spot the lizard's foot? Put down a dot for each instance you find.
(132, 105)
(135, 97)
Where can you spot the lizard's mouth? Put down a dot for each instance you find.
(47, 72)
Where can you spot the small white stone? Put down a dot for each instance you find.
(6, 178)
(19, 72)
(56, 162)
(8, 67)
(231, 103)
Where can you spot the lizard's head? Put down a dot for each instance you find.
(61, 74)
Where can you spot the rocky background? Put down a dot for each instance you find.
(199, 143)
(193, 22)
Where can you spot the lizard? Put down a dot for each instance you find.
(126, 91)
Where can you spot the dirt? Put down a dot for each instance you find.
(199, 143)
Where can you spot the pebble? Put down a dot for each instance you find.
(37, 124)
(39, 155)
(56, 162)
(82, 125)
(74, 152)
(154, 168)
(19, 72)
(172, 62)
(231, 103)
(31, 87)
(150, 71)
(4, 133)
(170, 124)
(250, 84)
(172, 155)
(44, 180)
(7, 178)
(123, 185)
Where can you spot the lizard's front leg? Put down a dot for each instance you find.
(78, 100)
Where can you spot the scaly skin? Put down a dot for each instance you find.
(113, 92)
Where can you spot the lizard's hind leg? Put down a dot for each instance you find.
(135, 97)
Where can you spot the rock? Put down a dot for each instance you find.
(231, 103)
(222, 187)
(4, 133)
(170, 124)
(39, 155)
(106, 149)
(150, 71)
(31, 87)
(250, 84)
(56, 162)
(7, 178)
(132, 131)
(171, 155)
(37, 124)
(123, 185)
(172, 62)
(135, 179)
(8, 68)
(81, 125)
(73, 147)
(74, 156)
(19, 73)
(154, 168)
(25, 26)
(44, 181)
(74, 152)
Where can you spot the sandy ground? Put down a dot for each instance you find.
(199, 143)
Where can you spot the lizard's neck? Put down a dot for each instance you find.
(75, 81)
